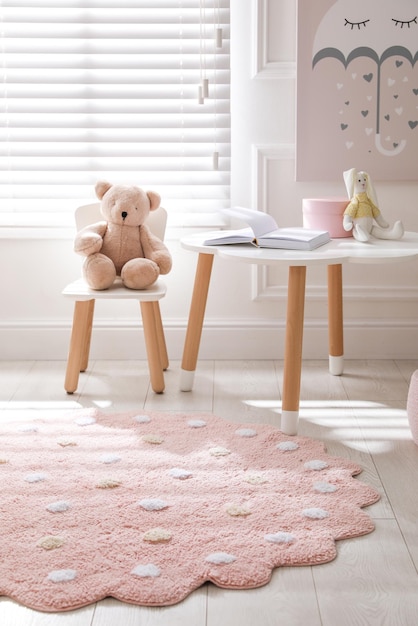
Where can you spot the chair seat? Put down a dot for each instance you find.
(84, 303)
(79, 290)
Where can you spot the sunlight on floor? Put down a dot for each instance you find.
(362, 425)
(102, 404)
(47, 405)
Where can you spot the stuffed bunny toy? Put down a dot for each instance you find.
(362, 211)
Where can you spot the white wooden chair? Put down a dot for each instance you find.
(84, 302)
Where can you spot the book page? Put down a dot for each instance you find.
(297, 233)
(243, 235)
(260, 223)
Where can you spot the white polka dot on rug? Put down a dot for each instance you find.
(157, 535)
(219, 451)
(149, 570)
(28, 428)
(62, 575)
(153, 504)
(108, 483)
(324, 487)
(246, 432)
(256, 479)
(58, 507)
(35, 477)
(86, 420)
(237, 510)
(66, 443)
(315, 513)
(196, 423)
(287, 446)
(110, 458)
(155, 440)
(142, 419)
(219, 558)
(315, 464)
(51, 542)
(280, 537)
(180, 474)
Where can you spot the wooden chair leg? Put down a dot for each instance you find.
(89, 327)
(152, 347)
(160, 335)
(80, 338)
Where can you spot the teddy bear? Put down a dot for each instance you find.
(362, 210)
(122, 245)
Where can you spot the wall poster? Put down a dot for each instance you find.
(357, 89)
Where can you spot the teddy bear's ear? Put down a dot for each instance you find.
(101, 187)
(154, 200)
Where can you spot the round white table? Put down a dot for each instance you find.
(333, 254)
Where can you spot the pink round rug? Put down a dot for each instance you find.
(146, 507)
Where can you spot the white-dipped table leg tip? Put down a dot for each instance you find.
(336, 365)
(289, 422)
(186, 380)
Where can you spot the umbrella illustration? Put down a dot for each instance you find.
(374, 29)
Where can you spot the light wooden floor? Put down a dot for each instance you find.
(361, 415)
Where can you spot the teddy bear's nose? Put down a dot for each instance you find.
(124, 214)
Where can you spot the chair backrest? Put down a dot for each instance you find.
(90, 213)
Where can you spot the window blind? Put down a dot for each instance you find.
(108, 89)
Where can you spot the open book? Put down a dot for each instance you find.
(264, 233)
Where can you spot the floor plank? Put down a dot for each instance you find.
(247, 391)
(398, 469)
(288, 600)
(14, 614)
(372, 581)
(11, 375)
(190, 612)
(200, 399)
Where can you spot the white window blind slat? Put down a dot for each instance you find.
(95, 89)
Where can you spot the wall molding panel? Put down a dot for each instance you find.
(262, 66)
(261, 155)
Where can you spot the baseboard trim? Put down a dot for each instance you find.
(245, 339)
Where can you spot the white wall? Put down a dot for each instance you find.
(246, 307)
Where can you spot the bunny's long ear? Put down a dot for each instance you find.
(349, 178)
(371, 193)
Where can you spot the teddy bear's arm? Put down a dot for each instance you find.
(89, 240)
(155, 250)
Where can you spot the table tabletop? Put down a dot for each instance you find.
(342, 250)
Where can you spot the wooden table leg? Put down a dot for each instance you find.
(293, 349)
(335, 320)
(195, 323)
